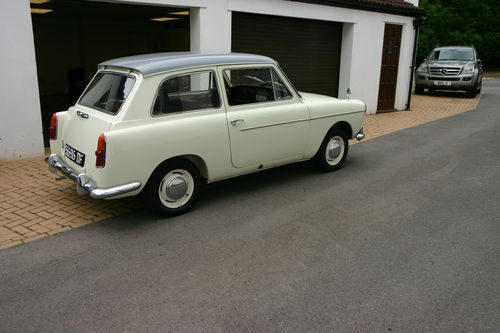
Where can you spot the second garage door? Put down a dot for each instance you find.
(307, 50)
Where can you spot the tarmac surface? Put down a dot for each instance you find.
(404, 238)
(34, 205)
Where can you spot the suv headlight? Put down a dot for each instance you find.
(469, 69)
(423, 68)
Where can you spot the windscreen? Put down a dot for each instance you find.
(452, 54)
(107, 92)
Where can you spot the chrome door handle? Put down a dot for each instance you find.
(82, 114)
(234, 122)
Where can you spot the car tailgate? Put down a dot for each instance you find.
(80, 133)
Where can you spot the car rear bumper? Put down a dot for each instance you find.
(85, 185)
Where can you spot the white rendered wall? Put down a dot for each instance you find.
(20, 118)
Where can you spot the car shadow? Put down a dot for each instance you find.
(232, 189)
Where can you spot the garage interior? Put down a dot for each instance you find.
(72, 37)
(307, 50)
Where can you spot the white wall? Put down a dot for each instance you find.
(20, 119)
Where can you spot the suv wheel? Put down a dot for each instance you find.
(471, 93)
(479, 85)
(419, 90)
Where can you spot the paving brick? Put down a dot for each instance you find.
(20, 229)
(32, 238)
(10, 244)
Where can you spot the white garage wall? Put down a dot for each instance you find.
(20, 119)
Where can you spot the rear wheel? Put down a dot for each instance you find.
(173, 187)
(333, 151)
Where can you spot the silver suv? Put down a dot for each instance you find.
(450, 68)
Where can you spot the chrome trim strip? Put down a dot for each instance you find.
(338, 114)
(275, 124)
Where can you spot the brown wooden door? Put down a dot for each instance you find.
(389, 71)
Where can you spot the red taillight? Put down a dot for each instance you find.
(100, 153)
(53, 127)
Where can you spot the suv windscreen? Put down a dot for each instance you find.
(107, 92)
(452, 54)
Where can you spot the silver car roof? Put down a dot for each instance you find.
(149, 64)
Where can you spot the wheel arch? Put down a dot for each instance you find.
(344, 126)
(196, 160)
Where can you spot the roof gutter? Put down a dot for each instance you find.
(416, 24)
(369, 6)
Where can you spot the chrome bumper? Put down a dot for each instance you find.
(361, 134)
(84, 185)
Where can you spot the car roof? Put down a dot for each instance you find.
(149, 64)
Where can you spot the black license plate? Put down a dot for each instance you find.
(74, 155)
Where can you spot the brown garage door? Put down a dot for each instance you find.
(307, 50)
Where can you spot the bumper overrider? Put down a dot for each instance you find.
(361, 134)
(84, 185)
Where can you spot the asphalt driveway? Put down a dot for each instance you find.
(404, 238)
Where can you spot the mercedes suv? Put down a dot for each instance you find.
(450, 68)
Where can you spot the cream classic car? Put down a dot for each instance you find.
(164, 123)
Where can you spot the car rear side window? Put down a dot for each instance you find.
(188, 92)
(107, 92)
(254, 85)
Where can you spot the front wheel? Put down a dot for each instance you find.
(173, 187)
(333, 151)
(471, 93)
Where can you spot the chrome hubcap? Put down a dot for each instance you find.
(176, 188)
(335, 150)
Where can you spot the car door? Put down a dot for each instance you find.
(268, 123)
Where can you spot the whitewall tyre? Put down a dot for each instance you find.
(333, 151)
(173, 187)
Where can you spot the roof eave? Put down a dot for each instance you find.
(373, 7)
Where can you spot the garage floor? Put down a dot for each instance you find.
(34, 205)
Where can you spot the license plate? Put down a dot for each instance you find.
(74, 155)
(442, 83)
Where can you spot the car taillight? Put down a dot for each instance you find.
(53, 127)
(100, 153)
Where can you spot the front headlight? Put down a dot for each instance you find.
(468, 69)
(423, 68)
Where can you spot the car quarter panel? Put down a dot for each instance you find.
(328, 111)
(133, 153)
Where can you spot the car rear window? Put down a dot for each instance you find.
(107, 92)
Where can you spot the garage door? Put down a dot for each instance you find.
(307, 50)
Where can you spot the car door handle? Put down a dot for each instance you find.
(234, 122)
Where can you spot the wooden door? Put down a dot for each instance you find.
(389, 70)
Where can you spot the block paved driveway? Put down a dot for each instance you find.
(34, 205)
(405, 238)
